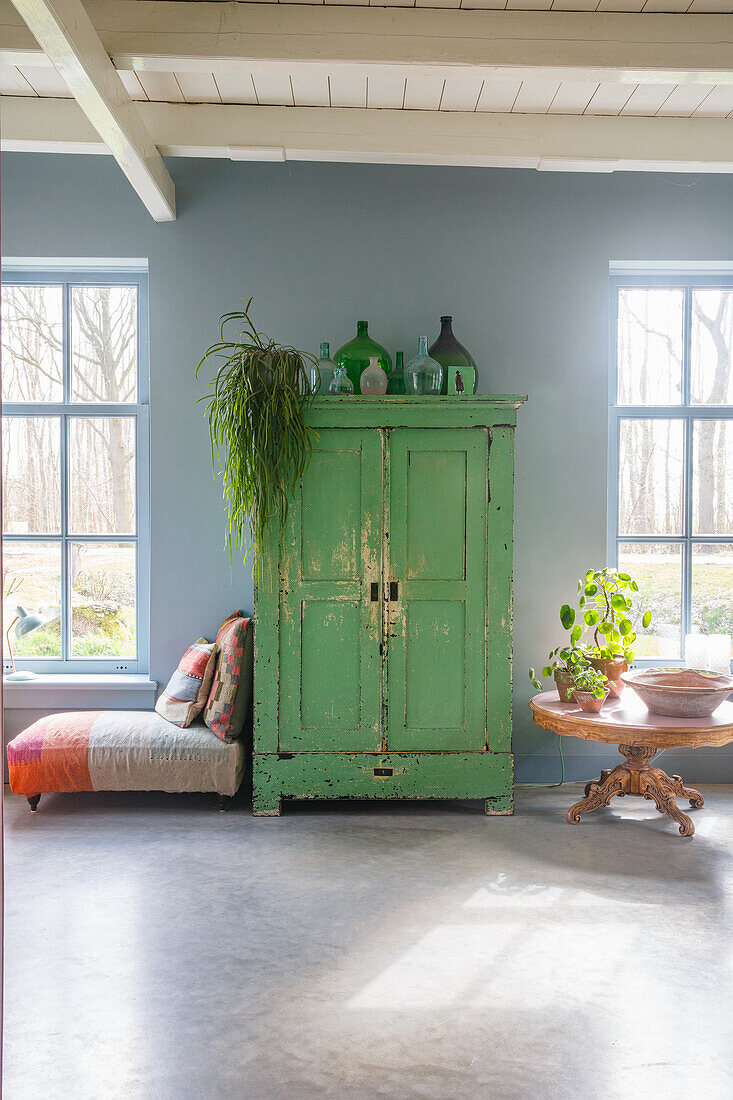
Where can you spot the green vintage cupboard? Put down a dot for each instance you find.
(384, 608)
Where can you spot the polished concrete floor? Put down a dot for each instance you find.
(158, 949)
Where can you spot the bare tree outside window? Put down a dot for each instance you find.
(674, 352)
(99, 472)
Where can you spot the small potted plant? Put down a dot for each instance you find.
(608, 622)
(590, 689)
(562, 664)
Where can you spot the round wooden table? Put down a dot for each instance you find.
(639, 735)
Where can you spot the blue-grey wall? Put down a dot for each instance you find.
(519, 258)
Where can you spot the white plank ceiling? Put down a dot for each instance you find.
(270, 85)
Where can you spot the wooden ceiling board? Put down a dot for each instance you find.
(646, 99)
(198, 87)
(573, 96)
(609, 99)
(685, 99)
(237, 87)
(160, 87)
(535, 96)
(386, 92)
(461, 93)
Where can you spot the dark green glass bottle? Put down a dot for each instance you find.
(396, 380)
(459, 368)
(356, 354)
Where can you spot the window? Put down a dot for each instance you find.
(670, 518)
(75, 468)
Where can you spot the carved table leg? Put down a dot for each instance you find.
(694, 796)
(638, 777)
(605, 772)
(601, 793)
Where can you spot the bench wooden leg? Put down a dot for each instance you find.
(223, 802)
(33, 801)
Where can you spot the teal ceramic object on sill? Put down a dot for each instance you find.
(356, 354)
(459, 368)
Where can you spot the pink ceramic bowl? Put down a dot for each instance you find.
(680, 692)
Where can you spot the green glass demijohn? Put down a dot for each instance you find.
(356, 354)
(459, 368)
(396, 380)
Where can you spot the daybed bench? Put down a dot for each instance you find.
(195, 740)
(121, 750)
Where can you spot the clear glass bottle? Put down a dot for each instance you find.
(320, 379)
(396, 377)
(355, 355)
(373, 380)
(341, 384)
(423, 375)
(459, 368)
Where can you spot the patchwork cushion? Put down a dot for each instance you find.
(188, 688)
(231, 690)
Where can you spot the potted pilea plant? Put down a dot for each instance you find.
(590, 689)
(606, 622)
(562, 664)
(255, 404)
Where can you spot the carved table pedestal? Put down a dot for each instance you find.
(639, 736)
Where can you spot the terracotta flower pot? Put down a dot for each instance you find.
(587, 701)
(564, 685)
(612, 668)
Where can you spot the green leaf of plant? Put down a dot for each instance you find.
(591, 618)
(567, 616)
(605, 628)
(618, 602)
(624, 577)
(591, 589)
(629, 655)
(646, 619)
(547, 671)
(634, 586)
(615, 648)
(625, 627)
(576, 632)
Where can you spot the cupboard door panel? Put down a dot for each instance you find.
(330, 691)
(436, 672)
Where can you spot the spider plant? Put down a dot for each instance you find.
(255, 404)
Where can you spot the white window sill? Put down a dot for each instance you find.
(80, 692)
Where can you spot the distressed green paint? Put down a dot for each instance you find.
(485, 775)
(437, 554)
(330, 665)
(500, 578)
(413, 490)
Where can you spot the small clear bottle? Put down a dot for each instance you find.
(373, 381)
(423, 375)
(341, 384)
(326, 369)
(396, 377)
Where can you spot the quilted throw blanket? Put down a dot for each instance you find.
(121, 751)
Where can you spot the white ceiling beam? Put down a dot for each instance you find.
(546, 142)
(173, 36)
(66, 35)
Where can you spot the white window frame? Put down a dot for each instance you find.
(38, 273)
(653, 277)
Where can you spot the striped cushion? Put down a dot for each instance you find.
(188, 687)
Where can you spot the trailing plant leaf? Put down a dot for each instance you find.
(255, 406)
